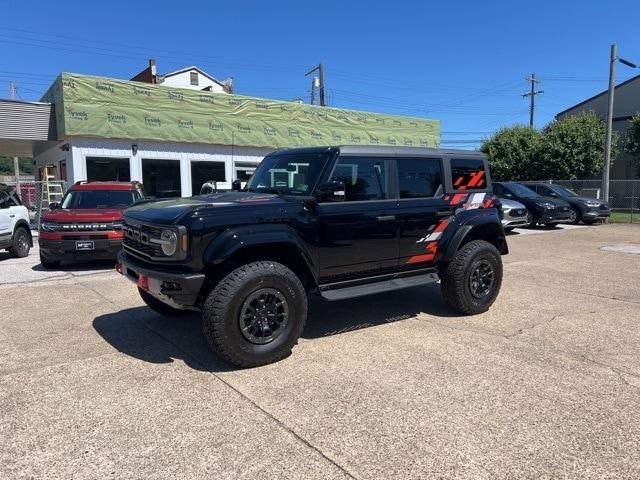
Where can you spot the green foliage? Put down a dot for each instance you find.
(573, 148)
(6, 166)
(512, 151)
(632, 142)
(570, 148)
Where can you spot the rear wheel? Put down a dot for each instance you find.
(21, 243)
(48, 263)
(160, 307)
(255, 315)
(471, 281)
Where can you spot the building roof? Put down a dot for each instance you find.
(193, 67)
(630, 80)
(90, 106)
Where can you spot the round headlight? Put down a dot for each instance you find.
(169, 242)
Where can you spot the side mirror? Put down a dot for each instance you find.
(333, 191)
(236, 185)
(553, 194)
(54, 205)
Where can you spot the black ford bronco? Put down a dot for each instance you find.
(339, 222)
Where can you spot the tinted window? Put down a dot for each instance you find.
(419, 177)
(468, 174)
(98, 199)
(8, 198)
(291, 174)
(364, 178)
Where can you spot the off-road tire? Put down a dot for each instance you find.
(160, 307)
(455, 277)
(222, 309)
(48, 264)
(21, 243)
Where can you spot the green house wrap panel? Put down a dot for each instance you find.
(108, 108)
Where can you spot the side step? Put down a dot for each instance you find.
(344, 290)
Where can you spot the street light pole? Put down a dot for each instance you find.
(607, 141)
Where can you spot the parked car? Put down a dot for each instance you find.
(15, 233)
(540, 210)
(587, 210)
(339, 222)
(87, 223)
(514, 214)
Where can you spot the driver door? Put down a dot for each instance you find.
(359, 236)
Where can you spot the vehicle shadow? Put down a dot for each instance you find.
(85, 266)
(143, 334)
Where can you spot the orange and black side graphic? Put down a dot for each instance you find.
(464, 201)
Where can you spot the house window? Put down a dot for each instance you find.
(161, 178)
(202, 172)
(194, 78)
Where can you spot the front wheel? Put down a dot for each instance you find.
(21, 243)
(574, 216)
(471, 281)
(255, 315)
(531, 220)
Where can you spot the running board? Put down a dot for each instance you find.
(338, 292)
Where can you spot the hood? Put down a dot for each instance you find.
(65, 215)
(585, 199)
(512, 204)
(170, 210)
(558, 202)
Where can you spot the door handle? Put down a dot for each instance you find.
(444, 213)
(385, 218)
(11, 216)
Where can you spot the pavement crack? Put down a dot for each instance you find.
(520, 331)
(203, 367)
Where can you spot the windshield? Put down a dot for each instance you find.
(292, 174)
(98, 199)
(521, 191)
(565, 192)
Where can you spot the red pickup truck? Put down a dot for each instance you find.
(87, 223)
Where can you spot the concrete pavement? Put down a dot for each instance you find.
(544, 385)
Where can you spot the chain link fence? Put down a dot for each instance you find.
(624, 196)
(31, 197)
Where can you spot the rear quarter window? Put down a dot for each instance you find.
(468, 174)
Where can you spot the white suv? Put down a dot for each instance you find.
(15, 233)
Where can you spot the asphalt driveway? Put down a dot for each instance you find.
(545, 385)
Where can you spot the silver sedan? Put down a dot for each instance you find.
(514, 214)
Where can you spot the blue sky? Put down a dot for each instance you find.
(462, 62)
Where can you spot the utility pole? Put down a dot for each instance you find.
(320, 69)
(16, 164)
(532, 94)
(607, 139)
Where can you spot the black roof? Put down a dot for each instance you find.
(379, 150)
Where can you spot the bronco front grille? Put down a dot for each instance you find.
(137, 238)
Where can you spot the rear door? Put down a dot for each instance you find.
(422, 210)
(359, 236)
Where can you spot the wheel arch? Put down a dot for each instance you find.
(487, 230)
(24, 224)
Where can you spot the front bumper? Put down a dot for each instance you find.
(178, 290)
(594, 213)
(509, 222)
(555, 216)
(65, 249)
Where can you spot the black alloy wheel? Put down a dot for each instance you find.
(264, 315)
(481, 279)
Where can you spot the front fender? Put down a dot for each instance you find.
(233, 239)
(482, 224)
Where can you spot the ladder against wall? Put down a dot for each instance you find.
(51, 191)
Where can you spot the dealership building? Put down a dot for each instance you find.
(173, 139)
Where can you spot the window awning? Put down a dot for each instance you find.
(26, 128)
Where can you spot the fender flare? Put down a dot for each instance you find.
(234, 239)
(489, 223)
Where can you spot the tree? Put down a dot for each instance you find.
(6, 166)
(569, 148)
(573, 148)
(512, 152)
(632, 142)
